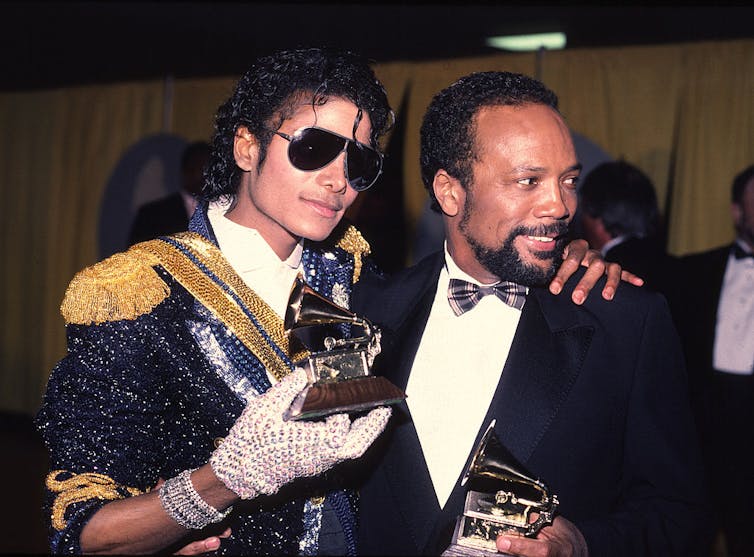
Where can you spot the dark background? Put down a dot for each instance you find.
(52, 44)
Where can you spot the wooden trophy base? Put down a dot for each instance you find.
(350, 395)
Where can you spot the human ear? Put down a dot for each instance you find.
(245, 149)
(449, 193)
(736, 212)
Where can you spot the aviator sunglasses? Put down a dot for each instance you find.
(314, 148)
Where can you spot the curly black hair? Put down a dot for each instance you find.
(448, 128)
(266, 94)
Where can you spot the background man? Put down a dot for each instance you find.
(592, 399)
(620, 218)
(714, 312)
(172, 213)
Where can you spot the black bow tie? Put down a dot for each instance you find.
(741, 253)
(463, 295)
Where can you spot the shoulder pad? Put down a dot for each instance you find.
(123, 286)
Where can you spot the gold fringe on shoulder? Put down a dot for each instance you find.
(123, 286)
(354, 243)
(81, 487)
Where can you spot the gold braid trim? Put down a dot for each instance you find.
(219, 302)
(123, 286)
(82, 487)
(354, 243)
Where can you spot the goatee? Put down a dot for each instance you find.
(505, 262)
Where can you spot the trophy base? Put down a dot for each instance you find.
(456, 549)
(350, 395)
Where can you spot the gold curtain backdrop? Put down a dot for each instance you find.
(684, 113)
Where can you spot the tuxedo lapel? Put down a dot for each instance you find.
(542, 366)
(406, 317)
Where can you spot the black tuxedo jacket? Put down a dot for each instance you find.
(592, 400)
(648, 259)
(723, 402)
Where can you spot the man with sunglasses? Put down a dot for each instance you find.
(165, 420)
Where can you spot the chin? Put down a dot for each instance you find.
(317, 234)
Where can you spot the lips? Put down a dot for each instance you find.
(327, 209)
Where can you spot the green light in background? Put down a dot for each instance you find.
(521, 43)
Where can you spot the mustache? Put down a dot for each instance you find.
(557, 229)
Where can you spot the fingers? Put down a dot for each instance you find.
(514, 545)
(293, 382)
(364, 431)
(593, 273)
(282, 393)
(202, 546)
(628, 276)
(613, 279)
(575, 252)
(337, 428)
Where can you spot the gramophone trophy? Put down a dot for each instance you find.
(338, 369)
(501, 498)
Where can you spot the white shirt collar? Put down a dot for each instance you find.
(244, 247)
(610, 244)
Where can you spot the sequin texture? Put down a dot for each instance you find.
(145, 397)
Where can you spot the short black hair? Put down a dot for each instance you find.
(448, 128)
(739, 184)
(623, 197)
(266, 93)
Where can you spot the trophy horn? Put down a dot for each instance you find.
(492, 464)
(307, 307)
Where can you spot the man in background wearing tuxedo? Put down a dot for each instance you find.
(171, 214)
(620, 217)
(714, 312)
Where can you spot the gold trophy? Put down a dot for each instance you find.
(338, 369)
(502, 498)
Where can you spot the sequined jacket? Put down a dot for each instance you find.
(157, 370)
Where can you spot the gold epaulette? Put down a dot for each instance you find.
(123, 286)
(354, 243)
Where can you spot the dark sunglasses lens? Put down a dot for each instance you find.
(364, 166)
(314, 148)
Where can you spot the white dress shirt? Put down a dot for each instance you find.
(734, 332)
(255, 261)
(454, 377)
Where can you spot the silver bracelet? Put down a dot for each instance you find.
(184, 505)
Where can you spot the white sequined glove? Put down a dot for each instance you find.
(262, 452)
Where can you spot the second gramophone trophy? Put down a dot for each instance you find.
(501, 498)
(338, 368)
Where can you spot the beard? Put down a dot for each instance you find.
(505, 261)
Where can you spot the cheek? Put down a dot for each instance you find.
(349, 197)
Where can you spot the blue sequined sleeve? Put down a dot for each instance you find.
(103, 421)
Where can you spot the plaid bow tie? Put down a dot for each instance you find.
(463, 295)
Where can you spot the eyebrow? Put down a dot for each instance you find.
(577, 166)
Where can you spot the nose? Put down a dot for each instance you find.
(554, 201)
(333, 175)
